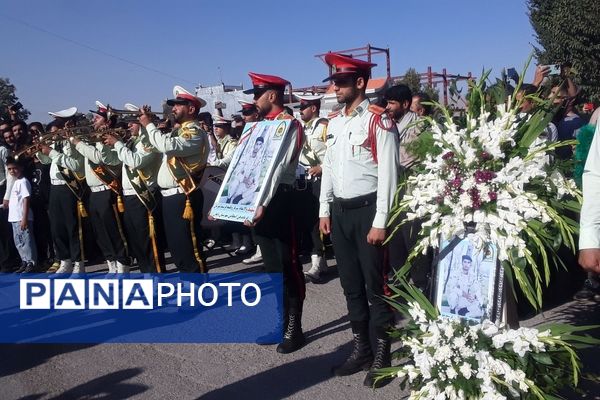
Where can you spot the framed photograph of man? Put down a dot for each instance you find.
(252, 165)
(469, 280)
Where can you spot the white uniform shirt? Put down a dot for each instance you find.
(286, 164)
(68, 158)
(349, 170)
(314, 148)
(141, 158)
(589, 230)
(97, 154)
(192, 150)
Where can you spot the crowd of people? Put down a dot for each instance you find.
(127, 184)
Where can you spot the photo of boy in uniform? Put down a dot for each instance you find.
(463, 290)
(245, 177)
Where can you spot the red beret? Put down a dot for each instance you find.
(346, 65)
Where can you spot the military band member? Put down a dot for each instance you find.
(102, 167)
(359, 182)
(184, 151)
(275, 220)
(311, 159)
(142, 216)
(65, 206)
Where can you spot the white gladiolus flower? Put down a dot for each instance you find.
(465, 370)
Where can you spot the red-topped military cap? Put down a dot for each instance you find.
(265, 82)
(182, 96)
(248, 107)
(346, 65)
(308, 100)
(101, 111)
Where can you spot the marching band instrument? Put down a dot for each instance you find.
(113, 111)
(83, 133)
(98, 136)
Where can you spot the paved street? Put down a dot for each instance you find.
(165, 371)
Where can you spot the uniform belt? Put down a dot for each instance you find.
(100, 188)
(285, 187)
(356, 202)
(57, 182)
(128, 192)
(171, 192)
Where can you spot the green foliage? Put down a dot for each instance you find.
(569, 31)
(584, 138)
(550, 366)
(8, 98)
(412, 79)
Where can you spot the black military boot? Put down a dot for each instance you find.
(383, 359)
(361, 357)
(293, 338)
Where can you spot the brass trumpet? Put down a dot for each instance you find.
(112, 111)
(98, 136)
(44, 140)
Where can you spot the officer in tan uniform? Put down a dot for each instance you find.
(185, 151)
(311, 159)
(226, 144)
(360, 176)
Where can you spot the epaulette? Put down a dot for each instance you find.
(323, 121)
(284, 115)
(375, 109)
(333, 114)
(189, 130)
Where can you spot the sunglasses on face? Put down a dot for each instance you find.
(258, 93)
(343, 82)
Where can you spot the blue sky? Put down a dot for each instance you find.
(200, 42)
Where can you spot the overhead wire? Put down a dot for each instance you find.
(99, 51)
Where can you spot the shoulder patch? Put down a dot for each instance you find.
(322, 121)
(376, 109)
(284, 115)
(188, 131)
(334, 114)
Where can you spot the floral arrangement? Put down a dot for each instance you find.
(447, 358)
(494, 172)
(492, 176)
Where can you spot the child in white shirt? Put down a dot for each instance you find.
(21, 217)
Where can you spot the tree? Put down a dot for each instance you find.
(569, 32)
(9, 98)
(412, 79)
